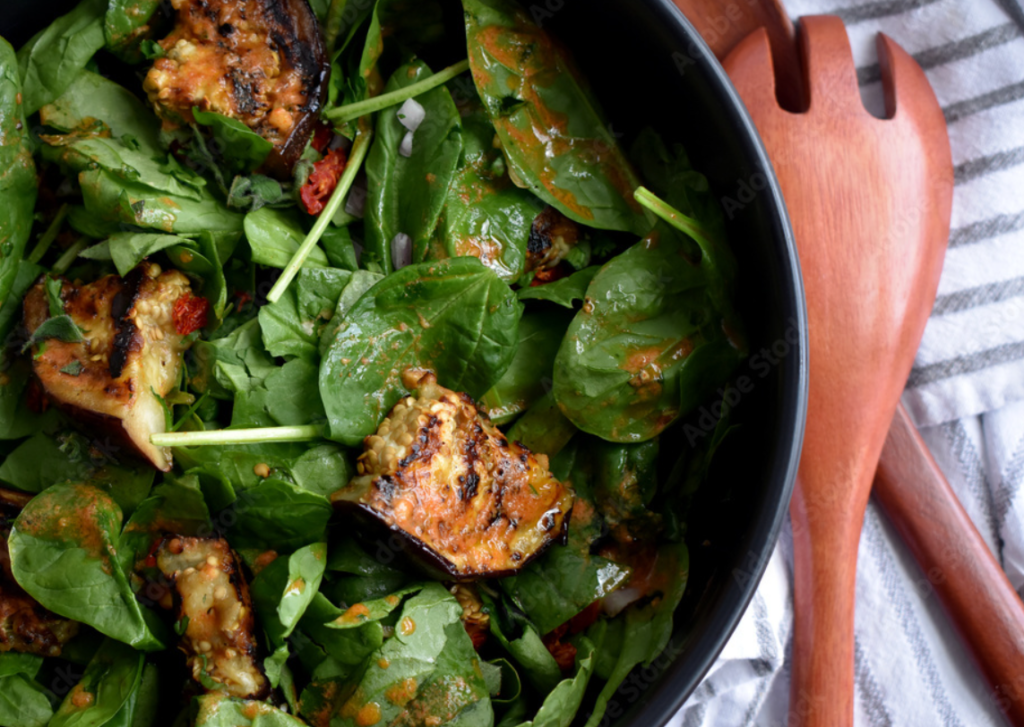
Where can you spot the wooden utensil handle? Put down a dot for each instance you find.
(825, 540)
(974, 591)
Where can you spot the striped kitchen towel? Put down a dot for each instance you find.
(966, 391)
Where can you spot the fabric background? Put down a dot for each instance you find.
(966, 392)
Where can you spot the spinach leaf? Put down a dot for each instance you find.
(288, 396)
(431, 664)
(322, 469)
(110, 679)
(277, 515)
(375, 609)
(625, 483)
(284, 589)
(91, 98)
(175, 506)
(561, 583)
(128, 249)
(556, 141)
(205, 258)
(275, 235)
(291, 326)
(126, 25)
(242, 149)
(360, 282)
(23, 702)
(543, 428)
(349, 556)
(405, 194)
(528, 377)
(18, 185)
(235, 363)
(648, 347)
(52, 59)
(564, 292)
(521, 640)
(219, 710)
(562, 704)
(454, 317)
(63, 554)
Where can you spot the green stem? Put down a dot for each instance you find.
(359, 149)
(340, 115)
(48, 236)
(686, 225)
(260, 435)
(65, 260)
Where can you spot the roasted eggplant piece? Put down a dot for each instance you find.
(552, 237)
(25, 626)
(261, 62)
(216, 613)
(132, 353)
(463, 498)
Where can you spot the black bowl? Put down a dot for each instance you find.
(648, 66)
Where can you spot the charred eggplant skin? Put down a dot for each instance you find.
(457, 497)
(261, 62)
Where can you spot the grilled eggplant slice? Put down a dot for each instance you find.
(552, 237)
(25, 626)
(261, 62)
(216, 610)
(131, 353)
(463, 499)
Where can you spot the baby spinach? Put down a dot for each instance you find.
(291, 326)
(125, 25)
(23, 702)
(241, 148)
(234, 363)
(277, 515)
(561, 705)
(405, 194)
(18, 183)
(564, 292)
(205, 258)
(360, 282)
(219, 710)
(175, 506)
(284, 589)
(110, 680)
(375, 609)
(528, 377)
(647, 347)
(63, 553)
(520, 639)
(275, 235)
(127, 249)
(454, 317)
(339, 650)
(543, 428)
(52, 59)
(556, 141)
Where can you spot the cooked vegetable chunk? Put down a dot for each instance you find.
(261, 62)
(552, 237)
(471, 503)
(25, 626)
(131, 353)
(217, 615)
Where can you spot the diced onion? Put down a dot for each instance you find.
(405, 149)
(401, 250)
(616, 601)
(411, 114)
(355, 203)
(358, 247)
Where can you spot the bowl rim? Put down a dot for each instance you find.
(686, 671)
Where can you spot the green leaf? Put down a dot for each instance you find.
(110, 679)
(325, 649)
(23, 703)
(205, 258)
(375, 609)
(284, 589)
(649, 348)
(52, 59)
(406, 194)
(562, 704)
(127, 25)
(128, 249)
(275, 236)
(61, 328)
(454, 317)
(63, 554)
(277, 515)
(219, 710)
(557, 143)
(528, 377)
(176, 506)
(241, 147)
(564, 292)
(543, 428)
(524, 644)
(291, 326)
(233, 364)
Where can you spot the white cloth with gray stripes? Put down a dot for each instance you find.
(966, 392)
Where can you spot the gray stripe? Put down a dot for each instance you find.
(893, 583)
(975, 168)
(880, 9)
(986, 229)
(999, 97)
(975, 478)
(1015, 10)
(1009, 485)
(970, 363)
(769, 657)
(695, 717)
(870, 692)
(982, 295)
(957, 50)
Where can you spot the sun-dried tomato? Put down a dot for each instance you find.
(564, 654)
(543, 276)
(190, 314)
(321, 137)
(585, 618)
(322, 181)
(477, 633)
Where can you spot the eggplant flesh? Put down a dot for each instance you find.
(552, 238)
(110, 382)
(261, 62)
(216, 610)
(463, 499)
(25, 626)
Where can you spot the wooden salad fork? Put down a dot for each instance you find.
(870, 204)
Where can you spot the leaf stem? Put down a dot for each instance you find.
(686, 225)
(359, 149)
(48, 236)
(341, 114)
(259, 435)
(65, 260)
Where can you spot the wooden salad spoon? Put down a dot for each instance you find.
(870, 204)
